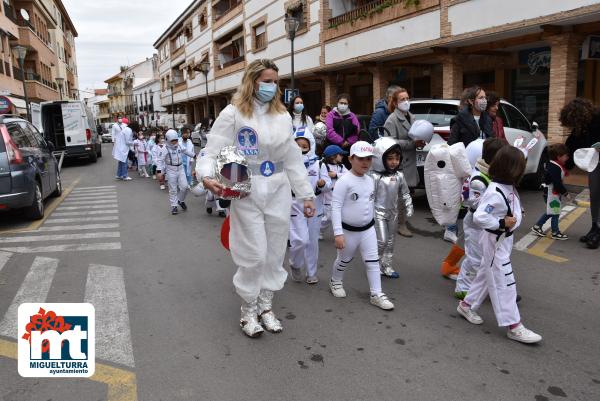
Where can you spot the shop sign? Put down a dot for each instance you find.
(5, 105)
(535, 59)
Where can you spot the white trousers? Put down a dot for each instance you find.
(178, 185)
(304, 239)
(366, 241)
(260, 225)
(472, 260)
(326, 219)
(211, 202)
(496, 278)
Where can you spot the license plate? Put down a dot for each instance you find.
(421, 156)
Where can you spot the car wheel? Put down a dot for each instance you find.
(535, 180)
(93, 157)
(58, 191)
(36, 210)
(99, 150)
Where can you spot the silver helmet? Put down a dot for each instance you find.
(382, 146)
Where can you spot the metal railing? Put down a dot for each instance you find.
(361, 11)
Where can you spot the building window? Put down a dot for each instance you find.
(222, 7)
(203, 19)
(230, 49)
(298, 9)
(259, 36)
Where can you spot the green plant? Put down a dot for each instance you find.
(408, 3)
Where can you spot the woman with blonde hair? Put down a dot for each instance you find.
(258, 124)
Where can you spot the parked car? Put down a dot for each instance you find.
(440, 112)
(107, 137)
(69, 125)
(199, 135)
(28, 170)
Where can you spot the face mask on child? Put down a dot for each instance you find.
(342, 108)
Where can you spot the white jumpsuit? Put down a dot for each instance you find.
(304, 231)
(352, 216)
(187, 161)
(178, 184)
(470, 265)
(495, 275)
(260, 222)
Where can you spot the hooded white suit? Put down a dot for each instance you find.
(259, 222)
(123, 138)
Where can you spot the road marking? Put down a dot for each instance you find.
(93, 202)
(99, 246)
(530, 237)
(84, 213)
(79, 189)
(539, 249)
(121, 383)
(90, 198)
(82, 219)
(4, 256)
(105, 289)
(78, 227)
(91, 194)
(61, 237)
(34, 288)
(108, 205)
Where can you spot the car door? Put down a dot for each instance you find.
(39, 158)
(515, 126)
(47, 155)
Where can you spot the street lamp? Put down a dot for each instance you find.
(291, 27)
(172, 86)
(60, 82)
(20, 52)
(204, 69)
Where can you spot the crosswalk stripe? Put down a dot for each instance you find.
(34, 288)
(91, 188)
(75, 227)
(105, 289)
(98, 246)
(85, 213)
(61, 237)
(4, 256)
(529, 238)
(93, 193)
(90, 202)
(84, 198)
(81, 219)
(106, 206)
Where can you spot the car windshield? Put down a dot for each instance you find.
(438, 114)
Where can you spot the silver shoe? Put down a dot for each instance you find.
(265, 312)
(249, 320)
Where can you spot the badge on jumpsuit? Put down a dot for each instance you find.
(233, 173)
(247, 141)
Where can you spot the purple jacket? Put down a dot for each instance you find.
(342, 128)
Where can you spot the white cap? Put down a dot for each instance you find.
(586, 159)
(361, 149)
(172, 135)
(421, 130)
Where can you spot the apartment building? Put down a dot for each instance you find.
(40, 26)
(537, 54)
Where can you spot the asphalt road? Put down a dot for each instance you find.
(167, 314)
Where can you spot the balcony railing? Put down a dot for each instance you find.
(366, 9)
(224, 7)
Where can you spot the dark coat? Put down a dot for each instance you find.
(584, 140)
(464, 128)
(378, 118)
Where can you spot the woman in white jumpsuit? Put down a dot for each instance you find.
(258, 124)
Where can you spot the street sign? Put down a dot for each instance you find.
(289, 95)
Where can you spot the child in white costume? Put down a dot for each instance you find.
(159, 152)
(333, 156)
(353, 225)
(477, 185)
(304, 231)
(141, 150)
(390, 186)
(173, 162)
(499, 214)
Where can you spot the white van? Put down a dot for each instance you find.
(69, 125)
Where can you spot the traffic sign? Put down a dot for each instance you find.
(289, 95)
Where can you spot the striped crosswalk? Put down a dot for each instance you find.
(104, 289)
(87, 220)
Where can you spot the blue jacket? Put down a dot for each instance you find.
(378, 118)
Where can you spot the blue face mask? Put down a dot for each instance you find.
(266, 91)
(298, 107)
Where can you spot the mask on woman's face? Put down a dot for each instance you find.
(120, 120)
(298, 107)
(481, 104)
(266, 91)
(342, 108)
(404, 106)
(140, 137)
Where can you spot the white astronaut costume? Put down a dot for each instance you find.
(339, 170)
(187, 161)
(210, 201)
(259, 222)
(478, 183)
(304, 231)
(173, 162)
(389, 187)
(495, 274)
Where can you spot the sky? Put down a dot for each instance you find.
(113, 33)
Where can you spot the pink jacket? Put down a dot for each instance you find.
(336, 127)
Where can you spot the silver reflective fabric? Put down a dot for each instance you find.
(233, 173)
(265, 312)
(249, 319)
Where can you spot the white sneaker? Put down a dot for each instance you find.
(450, 236)
(320, 236)
(154, 176)
(523, 335)
(162, 187)
(337, 289)
(127, 179)
(382, 301)
(469, 314)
